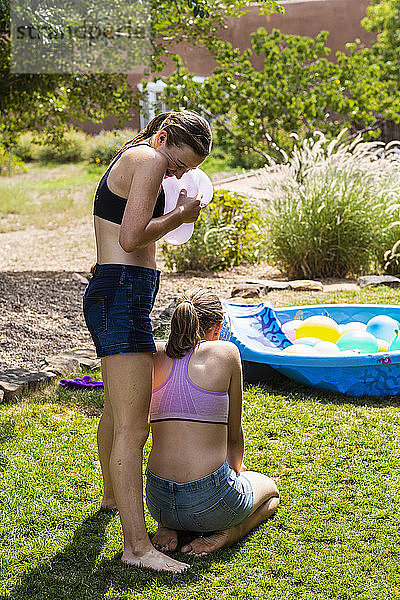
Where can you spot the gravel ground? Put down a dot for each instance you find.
(41, 311)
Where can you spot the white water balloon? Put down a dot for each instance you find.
(197, 184)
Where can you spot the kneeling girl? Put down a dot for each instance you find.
(196, 480)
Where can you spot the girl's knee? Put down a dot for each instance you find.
(263, 486)
(132, 434)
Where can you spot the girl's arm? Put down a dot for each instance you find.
(235, 432)
(138, 228)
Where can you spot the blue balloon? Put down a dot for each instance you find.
(382, 327)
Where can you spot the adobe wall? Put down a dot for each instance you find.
(302, 17)
(342, 18)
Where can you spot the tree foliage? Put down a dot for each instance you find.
(49, 101)
(296, 89)
(383, 18)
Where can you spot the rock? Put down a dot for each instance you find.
(84, 352)
(166, 314)
(80, 278)
(239, 300)
(162, 320)
(269, 284)
(306, 285)
(13, 382)
(60, 364)
(90, 363)
(246, 291)
(1, 395)
(11, 390)
(86, 358)
(50, 375)
(374, 280)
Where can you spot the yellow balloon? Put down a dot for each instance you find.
(383, 345)
(319, 326)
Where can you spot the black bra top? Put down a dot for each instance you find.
(111, 207)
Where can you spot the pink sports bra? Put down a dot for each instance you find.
(181, 399)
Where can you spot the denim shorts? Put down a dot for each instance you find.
(218, 501)
(117, 304)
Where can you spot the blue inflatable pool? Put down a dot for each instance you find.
(256, 330)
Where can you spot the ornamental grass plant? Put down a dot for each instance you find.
(334, 207)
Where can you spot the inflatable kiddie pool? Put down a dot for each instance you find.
(256, 331)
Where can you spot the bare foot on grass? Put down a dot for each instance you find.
(154, 560)
(202, 546)
(165, 539)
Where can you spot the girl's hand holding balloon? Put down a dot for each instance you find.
(188, 207)
(190, 193)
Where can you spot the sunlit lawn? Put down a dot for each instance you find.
(336, 534)
(53, 193)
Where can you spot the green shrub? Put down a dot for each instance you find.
(227, 233)
(17, 165)
(103, 147)
(26, 148)
(332, 208)
(73, 147)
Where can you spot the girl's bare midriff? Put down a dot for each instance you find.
(202, 449)
(109, 250)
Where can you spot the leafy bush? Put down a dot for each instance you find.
(17, 164)
(71, 148)
(332, 207)
(227, 233)
(27, 147)
(103, 146)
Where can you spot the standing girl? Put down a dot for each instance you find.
(128, 220)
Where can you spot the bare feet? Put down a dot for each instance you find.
(108, 504)
(202, 546)
(154, 560)
(165, 539)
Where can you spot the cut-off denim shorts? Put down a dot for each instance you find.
(117, 304)
(215, 502)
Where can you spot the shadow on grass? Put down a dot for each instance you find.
(75, 572)
(276, 383)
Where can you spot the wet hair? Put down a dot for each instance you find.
(196, 312)
(184, 127)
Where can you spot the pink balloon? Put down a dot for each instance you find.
(289, 329)
(197, 184)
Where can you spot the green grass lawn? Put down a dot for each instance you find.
(336, 534)
(53, 193)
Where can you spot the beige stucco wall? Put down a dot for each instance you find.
(342, 18)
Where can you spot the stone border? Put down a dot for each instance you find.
(14, 382)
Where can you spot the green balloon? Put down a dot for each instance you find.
(395, 345)
(357, 339)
